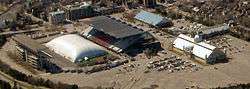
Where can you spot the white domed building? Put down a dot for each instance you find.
(75, 48)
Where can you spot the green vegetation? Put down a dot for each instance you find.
(4, 85)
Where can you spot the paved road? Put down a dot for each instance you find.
(18, 32)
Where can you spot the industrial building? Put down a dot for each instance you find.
(57, 17)
(215, 30)
(75, 12)
(198, 50)
(39, 56)
(75, 48)
(112, 33)
(152, 19)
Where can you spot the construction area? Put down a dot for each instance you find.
(128, 44)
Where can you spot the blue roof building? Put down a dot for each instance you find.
(152, 19)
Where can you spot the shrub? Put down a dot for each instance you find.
(4, 85)
(239, 86)
(33, 80)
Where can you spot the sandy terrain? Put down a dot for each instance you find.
(222, 74)
(235, 71)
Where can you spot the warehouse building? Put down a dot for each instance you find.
(215, 31)
(112, 33)
(75, 48)
(153, 19)
(198, 50)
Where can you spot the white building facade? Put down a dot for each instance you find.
(200, 50)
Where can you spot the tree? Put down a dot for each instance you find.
(4, 85)
(149, 52)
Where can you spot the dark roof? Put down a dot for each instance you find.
(113, 27)
(215, 29)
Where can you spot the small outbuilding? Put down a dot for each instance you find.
(153, 19)
(75, 48)
(201, 51)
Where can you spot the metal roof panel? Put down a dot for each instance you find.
(149, 18)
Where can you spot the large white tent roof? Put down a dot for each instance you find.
(201, 49)
(75, 48)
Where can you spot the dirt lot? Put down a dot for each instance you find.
(222, 74)
(135, 75)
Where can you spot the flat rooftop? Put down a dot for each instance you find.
(28, 42)
(35, 46)
(112, 27)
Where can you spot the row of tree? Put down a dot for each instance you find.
(33, 80)
(4, 85)
(239, 86)
(7, 85)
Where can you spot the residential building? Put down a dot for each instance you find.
(109, 10)
(57, 17)
(75, 12)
